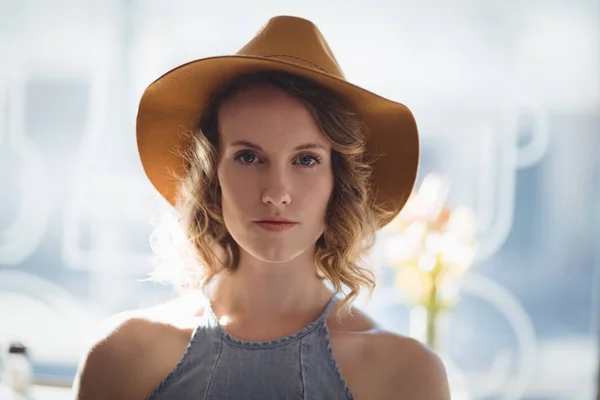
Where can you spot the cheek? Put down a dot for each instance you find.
(235, 190)
(316, 191)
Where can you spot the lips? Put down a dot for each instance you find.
(276, 224)
(276, 220)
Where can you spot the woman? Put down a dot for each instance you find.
(281, 172)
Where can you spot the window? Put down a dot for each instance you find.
(506, 96)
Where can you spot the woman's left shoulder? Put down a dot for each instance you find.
(401, 364)
(411, 368)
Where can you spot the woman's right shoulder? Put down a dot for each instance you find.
(133, 351)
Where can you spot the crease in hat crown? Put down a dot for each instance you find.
(296, 40)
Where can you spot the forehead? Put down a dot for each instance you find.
(268, 115)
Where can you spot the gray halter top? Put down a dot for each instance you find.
(216, 365)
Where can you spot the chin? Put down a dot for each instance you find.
(275, 254)
(276, 248)
(277, 251)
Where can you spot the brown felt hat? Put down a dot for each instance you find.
(175, 101)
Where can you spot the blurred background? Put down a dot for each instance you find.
(507, 98)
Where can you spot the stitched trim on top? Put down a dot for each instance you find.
(335, 365)
(174, 373)
(267, 344)
(298, 58)
(277, 342)
(212, 374)
(303, 374)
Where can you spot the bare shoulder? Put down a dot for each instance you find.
(127, 342)
(415, 371)
(381, 364)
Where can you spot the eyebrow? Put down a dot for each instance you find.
(306, 146)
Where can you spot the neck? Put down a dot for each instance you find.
(261, 290)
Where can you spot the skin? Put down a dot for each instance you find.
(276, 275)
(275, 290)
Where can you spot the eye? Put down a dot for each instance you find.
(246, 158)
(309, 160)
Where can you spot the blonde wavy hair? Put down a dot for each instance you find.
(204, 247)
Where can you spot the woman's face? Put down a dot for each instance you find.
(274, 162)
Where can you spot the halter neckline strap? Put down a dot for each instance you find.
(320, 321)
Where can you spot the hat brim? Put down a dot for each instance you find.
(173, 104)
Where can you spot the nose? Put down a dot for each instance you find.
(276, 190)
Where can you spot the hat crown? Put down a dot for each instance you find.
(294, 40)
